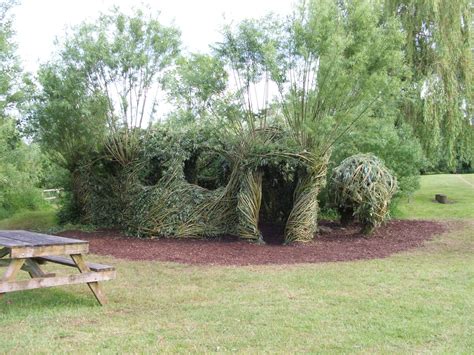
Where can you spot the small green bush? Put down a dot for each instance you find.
(362, 187)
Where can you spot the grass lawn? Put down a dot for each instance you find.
(31, 220)
(420, 301)
(458, 188)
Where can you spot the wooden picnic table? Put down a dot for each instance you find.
(27, 251)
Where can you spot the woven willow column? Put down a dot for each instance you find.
(249, 201)
(303, 219)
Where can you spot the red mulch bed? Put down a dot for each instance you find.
(332, 244)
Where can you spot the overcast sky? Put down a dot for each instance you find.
(39, 22)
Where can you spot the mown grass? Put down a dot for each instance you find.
(458, 188)
(420, 301)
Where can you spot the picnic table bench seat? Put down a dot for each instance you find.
(69, 262)
(27, 251)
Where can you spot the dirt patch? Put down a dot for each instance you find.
(333, 243)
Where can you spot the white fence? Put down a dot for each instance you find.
(52, 194)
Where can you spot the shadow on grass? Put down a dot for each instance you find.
(42, 299)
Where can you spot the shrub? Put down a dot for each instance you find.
(362, 187)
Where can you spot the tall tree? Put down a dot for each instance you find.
(19, 162)
(194, 84)
(9, 64)
(439, 101)
(330, 64)
(68, 119)
(119, 63)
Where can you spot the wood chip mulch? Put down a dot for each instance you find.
(333, 243)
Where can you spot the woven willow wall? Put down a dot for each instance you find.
(152, 196)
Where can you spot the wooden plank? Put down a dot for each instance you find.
(44, 282)
(38, 239)
(37, 251)
(69, 262)
(95, 287)
(10, 243)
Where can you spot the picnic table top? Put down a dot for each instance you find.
(24, 244)
(21, 238)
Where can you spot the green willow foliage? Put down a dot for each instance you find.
(193, 85)
(439, 91)
(68, 120)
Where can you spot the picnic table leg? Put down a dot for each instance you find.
(95, 287)
(12, 270)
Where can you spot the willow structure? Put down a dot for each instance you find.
(331, 65)
(362, 187)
